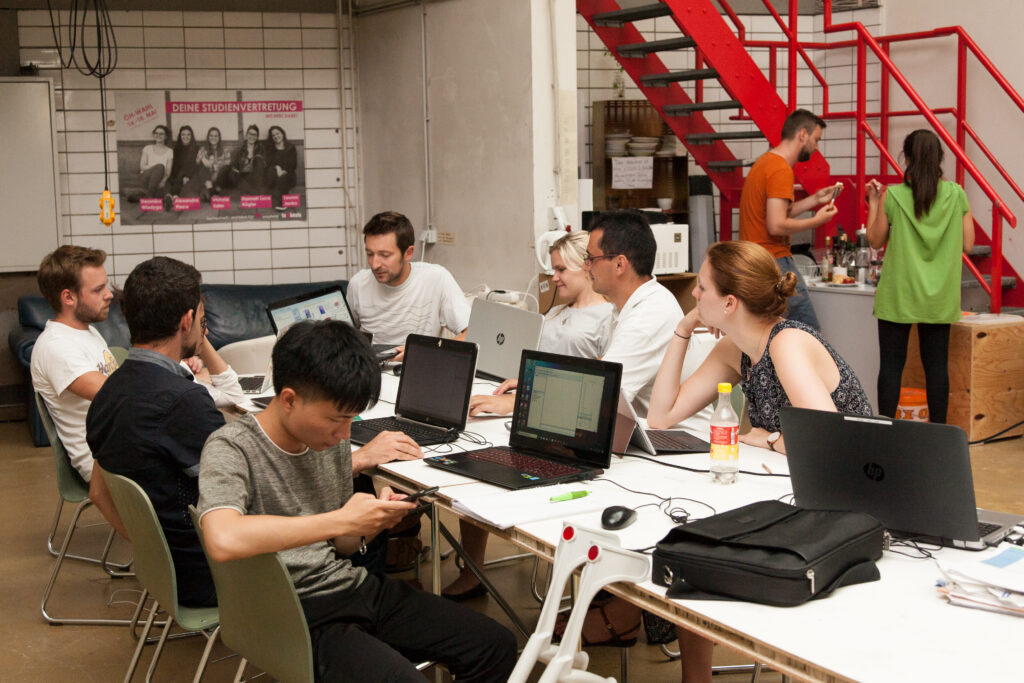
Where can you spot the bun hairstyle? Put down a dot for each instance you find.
(572, 247)
(748, 272)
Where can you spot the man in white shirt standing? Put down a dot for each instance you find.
(397, 297)
(620, 260)
(70, 359)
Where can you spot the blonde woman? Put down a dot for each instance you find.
(578, 328)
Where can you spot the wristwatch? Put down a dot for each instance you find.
(772, 438)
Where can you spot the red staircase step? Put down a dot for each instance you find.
(634, 50)
(624, 16)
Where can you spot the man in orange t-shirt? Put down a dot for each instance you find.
(768, 212)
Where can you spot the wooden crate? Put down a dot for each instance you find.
(986, 377)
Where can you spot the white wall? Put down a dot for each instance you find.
(480, 87)
(931, 66)
(208, 51)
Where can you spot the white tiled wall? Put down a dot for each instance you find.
(211, 50)
(597, 69)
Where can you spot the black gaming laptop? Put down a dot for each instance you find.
(562, 425)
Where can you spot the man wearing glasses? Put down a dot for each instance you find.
(620, 261)
(149, 420)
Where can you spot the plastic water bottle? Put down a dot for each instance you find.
(725, 429)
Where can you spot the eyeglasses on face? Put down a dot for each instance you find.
(589, 260)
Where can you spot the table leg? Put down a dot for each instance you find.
(473, 567)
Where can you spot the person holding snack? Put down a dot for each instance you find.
(768, 213)
(926, 222)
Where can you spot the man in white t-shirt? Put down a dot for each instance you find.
(620, 260)
(70, 359)
(396, 297)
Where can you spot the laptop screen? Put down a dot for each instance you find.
(437, 380)
(323, 304)
(565, 406)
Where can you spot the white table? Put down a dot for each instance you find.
(896, 629)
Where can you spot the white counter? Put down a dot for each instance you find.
(849, 325)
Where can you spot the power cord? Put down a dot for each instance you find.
(996, 435)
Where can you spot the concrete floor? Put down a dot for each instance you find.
(35, 651)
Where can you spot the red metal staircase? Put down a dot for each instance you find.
(721, 55)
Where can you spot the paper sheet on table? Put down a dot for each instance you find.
(994, 581)
(509, 508)
(1001, 567)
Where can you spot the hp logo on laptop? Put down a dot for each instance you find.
(500, 338)
(874, 471)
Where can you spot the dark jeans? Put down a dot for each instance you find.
(151, 178)
(798, 306)
(378, 630)
(892, 349)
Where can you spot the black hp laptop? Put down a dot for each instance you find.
(561, 427)
(914, 477)
(433, 394)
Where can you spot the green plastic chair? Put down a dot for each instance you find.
(155, 569)
(74, 490)
(260, 615)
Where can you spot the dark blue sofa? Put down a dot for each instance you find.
(233, 313)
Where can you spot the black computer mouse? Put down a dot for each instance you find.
(617, 517)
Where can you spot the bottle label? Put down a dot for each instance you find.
(724, 443)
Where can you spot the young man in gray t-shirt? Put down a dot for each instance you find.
(281, 481)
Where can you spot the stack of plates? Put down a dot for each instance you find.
(668, 146)
(642, 146)
(615, 144)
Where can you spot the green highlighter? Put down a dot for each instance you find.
(571, 495)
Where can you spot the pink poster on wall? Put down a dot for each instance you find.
(230, 155)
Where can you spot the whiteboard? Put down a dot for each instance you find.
(30, 217)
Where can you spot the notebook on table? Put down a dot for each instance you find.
(502, 332)
(433, 393)
(562, 425)
(914, 477)
(629, 431)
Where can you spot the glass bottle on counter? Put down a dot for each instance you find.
(826, 260)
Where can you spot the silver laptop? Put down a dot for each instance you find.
(502, 332)
(629, 431)
(914, 477)
(323, 304)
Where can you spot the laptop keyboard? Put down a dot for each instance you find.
(664, 440)
(537, 467)
(985, 528)
(251, 384)
(418, 433)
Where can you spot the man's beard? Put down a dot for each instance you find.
(804, 155)
(88, 315)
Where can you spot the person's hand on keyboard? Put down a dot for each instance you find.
(498, 405)
(387, 447)
(506, 387)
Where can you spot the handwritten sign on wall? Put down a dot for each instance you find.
(632, 173)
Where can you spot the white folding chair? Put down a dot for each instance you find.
(606, 563)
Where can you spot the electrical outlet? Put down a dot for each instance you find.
(446, 238)
(429, 236)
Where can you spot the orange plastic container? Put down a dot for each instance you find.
(913, 405)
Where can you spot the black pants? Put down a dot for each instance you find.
(892, 348)
(378, 630)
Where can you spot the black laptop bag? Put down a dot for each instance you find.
(769, 552)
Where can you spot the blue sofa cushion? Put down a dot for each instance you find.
(238, 312)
